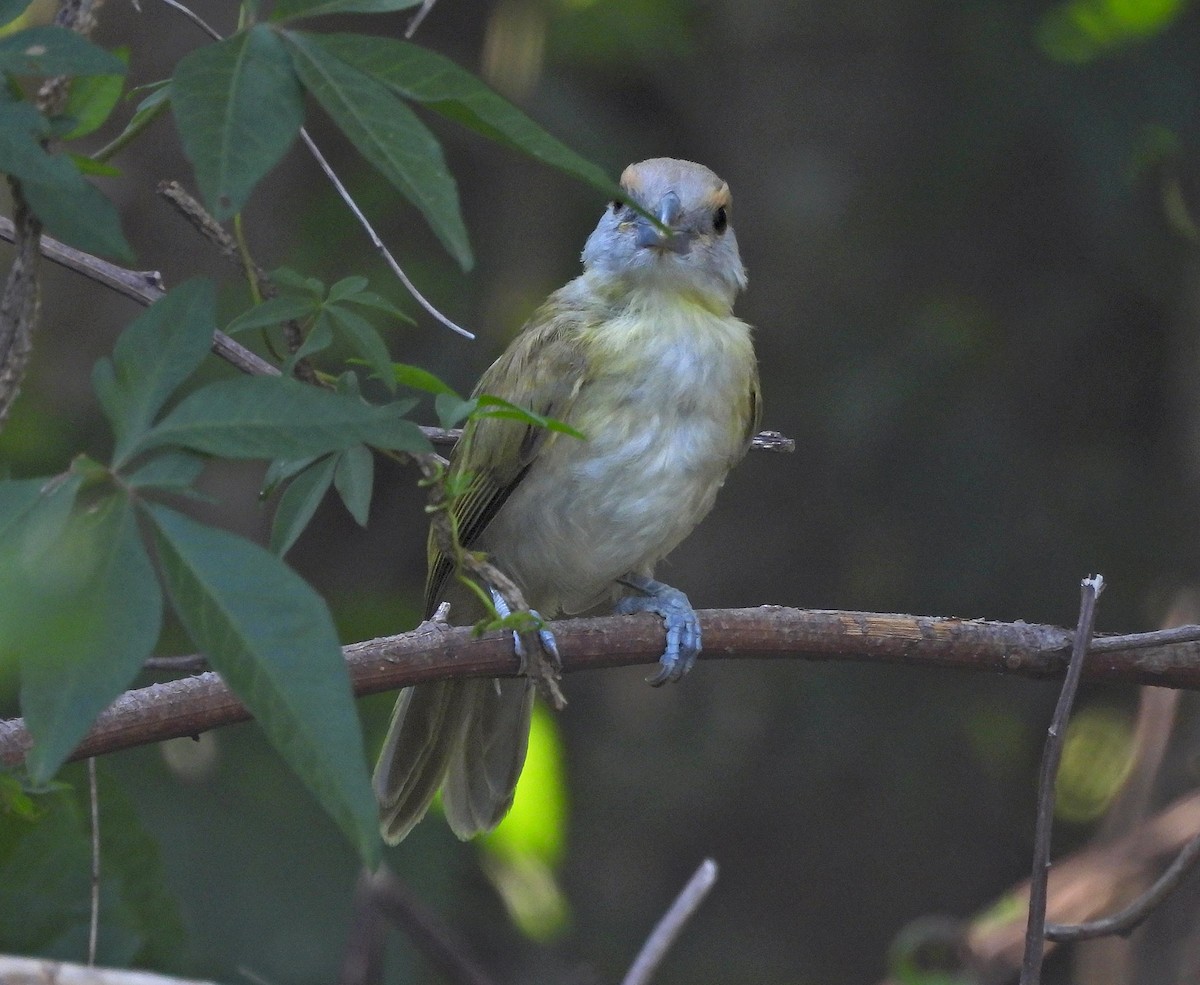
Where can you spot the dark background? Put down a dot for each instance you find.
(975, 289)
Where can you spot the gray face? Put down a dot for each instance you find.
(698, 256)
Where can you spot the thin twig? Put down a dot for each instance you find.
(1128, 918)
(671, 925)
(418, 17)
(94, 802)
(395, 901)
(43, 971)
(1035, 932)
(345, 196)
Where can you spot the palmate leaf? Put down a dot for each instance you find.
(387, 133)
(272, 639)
(263, 417)
(427, 77)
(238, 107)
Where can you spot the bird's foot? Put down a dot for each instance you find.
(683, 627)
(546, 665)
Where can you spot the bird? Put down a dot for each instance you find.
(642, 355)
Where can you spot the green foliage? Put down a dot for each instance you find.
(291, 9)
(92, 99)
(1080, 31)
(53, 50)
(238, 107)
(288, 668)
(10, 10)
(49, 848)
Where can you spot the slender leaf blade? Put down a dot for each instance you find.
(160, 349)
(272, 639)
(355, 481)
(425, 76)
(238, 107)
(261, 417)
(293, 9)
(299, 502)
(387, 133)
(366, 341)
(91, 611)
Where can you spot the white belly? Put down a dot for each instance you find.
(662, 433)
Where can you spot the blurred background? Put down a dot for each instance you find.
(970, 233)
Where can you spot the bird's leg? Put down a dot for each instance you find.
(549, 643)
(683, 628)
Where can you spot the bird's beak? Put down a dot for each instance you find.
(650, 236)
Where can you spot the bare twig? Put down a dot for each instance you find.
(418, 17)
(435, 651)
(20, 301)
(40, 971)
(1129, 917)
(94, 803)
(382, 894)
(671, 925)
(1035, 933)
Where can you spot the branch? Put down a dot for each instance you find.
(436, 651)
(1035, 932)
(40, 971)
(668, 929)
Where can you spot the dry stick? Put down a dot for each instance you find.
(1035, 932)
(392, 899)
(1130, 917)
(94, 802)
(671, 925)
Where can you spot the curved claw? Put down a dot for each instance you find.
(545, 637)
(683, 627)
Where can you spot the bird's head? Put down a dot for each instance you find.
(697, 255)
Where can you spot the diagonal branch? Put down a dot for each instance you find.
(435, 651)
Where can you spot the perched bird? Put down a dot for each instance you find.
(643, 355)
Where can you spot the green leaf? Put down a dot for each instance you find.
(172, 471)
(281, 470)
(500, 408)
(347, 288)
(53, 50)
(366, 341)
(68, 206)
(17, 498)
(154, 355)
(452, 410)
(387, 133)
(297, 283)
(271, 638)
(355, 480)
(92, 98)
(293, 9)
(238, 107)
(427, 77)
(299, 502)
(84, 611)
(10, 10)
(262, 417)
(370, 299)
(88, 165)
(272, 312)
(158, 100)
(420, 379)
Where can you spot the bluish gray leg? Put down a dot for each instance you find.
(683, 628)
(549, 643)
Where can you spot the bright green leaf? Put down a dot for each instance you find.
(420, 379)
(387, 133)
(299, 502)
(272, 312)
(238, 107)
(158, 351)
(506, 410)
(271, 638)
(427, 77)
(85, 613)
(92, 98)
(366, 341)
(275, 417)
(452, 410)
(355, 480)
(88, 165)
(53, 50)
(292, 9)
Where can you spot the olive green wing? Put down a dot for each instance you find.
(543, 371)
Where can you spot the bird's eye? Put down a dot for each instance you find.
(720, 219)
(616, 204)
